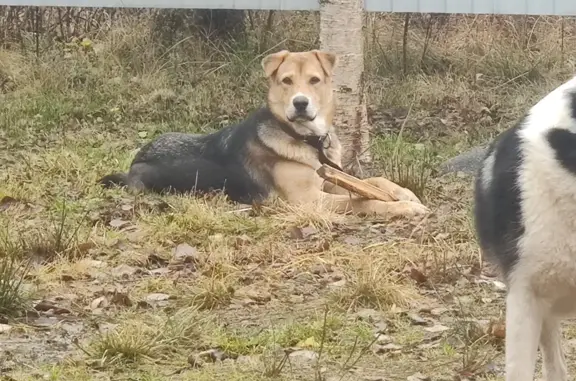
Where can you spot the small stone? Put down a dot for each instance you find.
(390, 347)
(186, 254)
(118, 223)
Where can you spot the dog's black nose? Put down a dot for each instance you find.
(300, 103)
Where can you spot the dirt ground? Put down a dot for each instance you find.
(107, 285)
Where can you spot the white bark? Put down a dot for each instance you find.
(341, 32)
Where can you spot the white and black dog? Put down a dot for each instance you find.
(525, 215)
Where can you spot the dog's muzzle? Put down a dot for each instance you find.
(300, 110)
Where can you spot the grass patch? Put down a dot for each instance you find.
(372, 284)
(13, 269)
(409, 165)
(254, 282)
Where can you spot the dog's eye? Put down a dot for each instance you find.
(314, 80)
(287, 81)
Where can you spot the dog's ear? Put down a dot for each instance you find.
(272, 62)
(327, 60)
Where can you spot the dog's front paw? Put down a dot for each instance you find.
(396, 191)
(405, 194)
(409, 209)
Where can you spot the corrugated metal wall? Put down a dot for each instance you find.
(518, 7)
(284, 5)
(530, 7)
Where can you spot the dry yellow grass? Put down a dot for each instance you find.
(146, 287)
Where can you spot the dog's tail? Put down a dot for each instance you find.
(118, 179)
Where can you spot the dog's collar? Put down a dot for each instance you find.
(320, 143)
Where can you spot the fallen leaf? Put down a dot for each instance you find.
(155, 300)
(157, 297)
(121, 299)
(85, 247)
(436, 328)
(195, 361)
(417, 319)
(497, 329)
(242, 240)
(46, 306)
(118, 223)
(97, 264)
(418, 276)
(160, 271)
(302, 233)
(127, 207)
(6, 202)
(156, 260)
(101, 302)
(323, 246)
(499, 285)
(124, 271)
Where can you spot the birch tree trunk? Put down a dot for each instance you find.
(341, 32)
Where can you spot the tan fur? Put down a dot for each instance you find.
(292, 164)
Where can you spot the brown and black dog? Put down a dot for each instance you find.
(276, 151)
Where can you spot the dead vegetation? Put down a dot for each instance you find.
(104, 284)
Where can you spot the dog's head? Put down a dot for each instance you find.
(300, 89)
